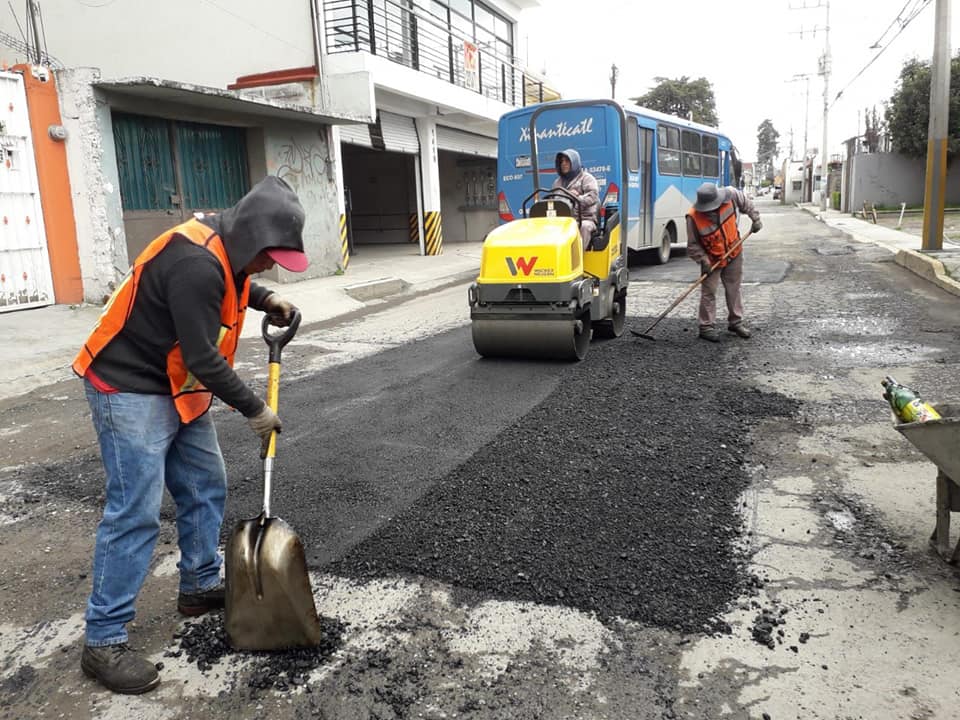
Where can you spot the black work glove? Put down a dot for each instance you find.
(705, 266)
(756, 227)
(279, 310)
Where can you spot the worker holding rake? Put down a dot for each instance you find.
(713, 241)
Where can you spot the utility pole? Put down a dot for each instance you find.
(936, 179)
(824, 70)
(32, 12)
(824, 149)
(613, 82)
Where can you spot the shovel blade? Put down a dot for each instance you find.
(269, 601)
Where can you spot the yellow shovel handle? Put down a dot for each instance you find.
(273, 397)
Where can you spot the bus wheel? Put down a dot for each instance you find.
(663, 252)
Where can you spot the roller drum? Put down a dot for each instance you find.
(560, 339)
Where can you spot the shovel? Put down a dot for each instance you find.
(646, 333)
(269, 601)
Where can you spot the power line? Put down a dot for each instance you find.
(880, 52)
(17, 21)
(14, 43)
(893, 22)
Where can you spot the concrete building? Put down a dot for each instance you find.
(750, 179)
(792, 174)
(381, 113)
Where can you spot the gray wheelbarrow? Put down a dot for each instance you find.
(939, 440)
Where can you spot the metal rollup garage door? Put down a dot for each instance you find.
(399, 133)
(466, 143)
(355, 135)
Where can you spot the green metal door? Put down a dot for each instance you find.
(169, 170)
(145, 162)
(212, 161)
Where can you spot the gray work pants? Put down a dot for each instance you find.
(586, 231)
(731, 276)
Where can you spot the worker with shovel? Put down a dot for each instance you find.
(161, 350)
(713, 240)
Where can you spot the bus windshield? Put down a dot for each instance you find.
(590, 130)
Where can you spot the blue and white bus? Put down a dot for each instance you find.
(661, 158)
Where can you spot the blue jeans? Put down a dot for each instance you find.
(144, 446)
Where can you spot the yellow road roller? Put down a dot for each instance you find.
(539, 295)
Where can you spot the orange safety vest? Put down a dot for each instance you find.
(190, 397)
(717, 235)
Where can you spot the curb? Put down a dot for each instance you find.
(928, 268)
(376, 289)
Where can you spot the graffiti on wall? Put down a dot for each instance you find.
(302, 165)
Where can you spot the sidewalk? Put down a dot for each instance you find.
(942, 268)
(39, 344)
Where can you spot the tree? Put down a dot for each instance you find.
(908, 112)
(682, 97)
(767, 146)
(875, 128)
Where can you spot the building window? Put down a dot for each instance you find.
(464, 42)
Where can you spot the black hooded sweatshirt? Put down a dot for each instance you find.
(180, 295)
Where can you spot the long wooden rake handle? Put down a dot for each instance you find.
(694, 286)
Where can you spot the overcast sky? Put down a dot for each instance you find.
(748, 49)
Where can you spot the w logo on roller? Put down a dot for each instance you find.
(521, 265)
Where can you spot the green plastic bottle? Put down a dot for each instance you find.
(906, 403)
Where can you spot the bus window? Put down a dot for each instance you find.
(633, 145)
(691, 153)
(711, 158)
(668, 149)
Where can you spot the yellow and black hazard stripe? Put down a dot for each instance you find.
(344, 245)
(415, 228)
(433, 230)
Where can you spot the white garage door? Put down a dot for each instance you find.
(355, 135)
(399, 133)
(466, 143)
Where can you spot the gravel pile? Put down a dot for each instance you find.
(205, 644)
(624, 514)
(765, 628)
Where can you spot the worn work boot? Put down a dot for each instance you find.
(710, 333)
(739, 330)
(198, 603)
(119, 668)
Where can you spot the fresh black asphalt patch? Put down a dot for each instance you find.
(580, 503)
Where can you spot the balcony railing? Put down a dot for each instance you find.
(414, 38)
